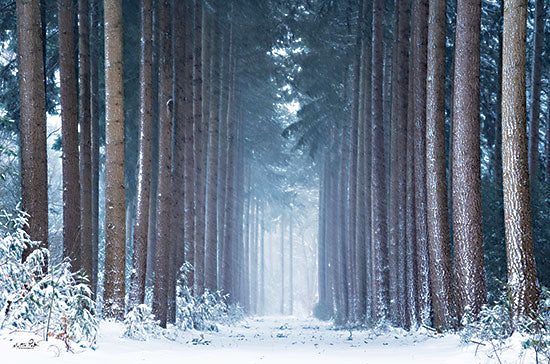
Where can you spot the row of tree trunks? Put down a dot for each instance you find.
(412, 277)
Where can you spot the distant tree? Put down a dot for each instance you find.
(94, 134)
(115, 204)
(141, 219)
(85, 137)
(34, 176)
(466, 180)
(163, 250)
(522, 276)
(379, 225)
(397, 205)
(69, 132)
(211, 248)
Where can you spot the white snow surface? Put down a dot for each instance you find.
(280, 340)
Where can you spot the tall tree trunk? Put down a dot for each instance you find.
(420, 22)
(211, 267)
(85, 138)
(141, 219)
(535, 91)
(439, 238)
(163, 250)
(201, 83)
(115, 204)
(522, 276)
(153, 188)
(94, 138)
(379, 226)
(353, 155)
(290, 266)
(398, 162)
(411, 312)
(189, 179)
(34, 175)
(69, 131)
(262, 262)
(229, 247)
(282, 311)
(467, 221)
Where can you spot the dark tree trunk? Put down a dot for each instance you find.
(94, 139)
(69, 131)
(439, 238)
(34, 175)
(398, 162)
(163, 248)
(536, 82)
(379, 225)
(115, 200)
(141, 219)
(467, 221)
(85, 138)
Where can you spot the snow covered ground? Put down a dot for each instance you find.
(281, 340)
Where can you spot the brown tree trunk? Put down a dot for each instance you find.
(94, 137)
(411, 316)
(535, 91)
(439, 238)
(522, 276)
(85, 138)
(115, 204)
(141, 219)
(379, 226)
(211, 266)
(34, 176)
(398, 162)
(354, 150)
(189, 173)
(420, 33)
(201, 87)
(163, 249)
(467, 221)
(282, 311)
(69, 131)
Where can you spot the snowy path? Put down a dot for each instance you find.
(280, 340)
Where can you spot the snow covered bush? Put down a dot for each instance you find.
(537, 328)
(199, 313)
(140, 324)
(55, 304)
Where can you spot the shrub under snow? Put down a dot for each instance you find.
(56, 304)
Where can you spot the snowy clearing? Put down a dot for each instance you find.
(267, 340)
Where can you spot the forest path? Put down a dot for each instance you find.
(259, 340)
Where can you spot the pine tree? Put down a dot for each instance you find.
(34, 176)
(522, 277)
(115, 204)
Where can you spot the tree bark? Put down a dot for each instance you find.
(536, 82)
(85, 138)
(211, 266)
(467, 221)
(141, 219)
(163, 249)
(522, 277)
(115, 204)
(69, 134)
(34, 175)
(398, 162)
(436, 179)
(379, 225)
(94, 137)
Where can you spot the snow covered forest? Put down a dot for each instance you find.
(300, 180)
